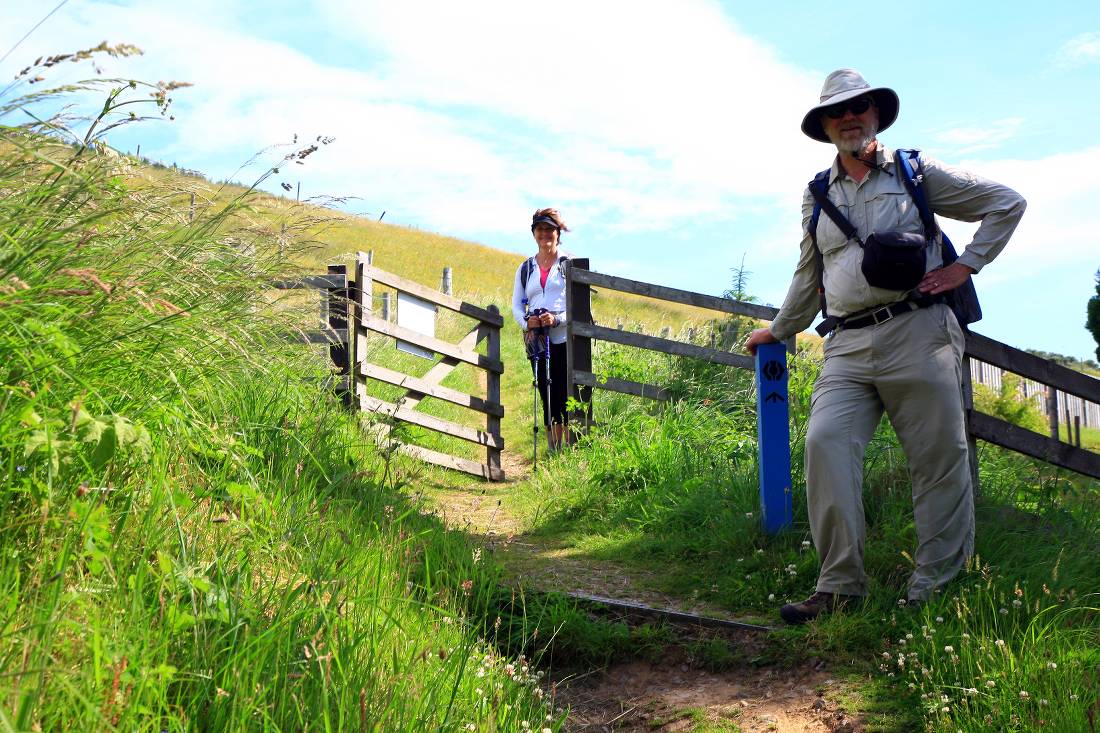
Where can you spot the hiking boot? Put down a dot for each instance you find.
(817, 604)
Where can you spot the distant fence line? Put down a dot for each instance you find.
(1067, 404)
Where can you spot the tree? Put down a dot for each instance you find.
(1093, 322)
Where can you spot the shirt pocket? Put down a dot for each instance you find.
(829, 237)
(903, 213)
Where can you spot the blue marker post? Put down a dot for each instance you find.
(774, 436)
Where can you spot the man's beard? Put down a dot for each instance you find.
(856, 145)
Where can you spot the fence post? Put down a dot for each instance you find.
(191, 213)
(446, 286)
(1052, 410)
(492, 394)
(385, 306)
(971, 441)
(578, 350)
(364, 304)
(774, 437)
(339, 350)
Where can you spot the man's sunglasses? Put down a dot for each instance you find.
(856, 106)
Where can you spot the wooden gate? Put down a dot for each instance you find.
(417, 389)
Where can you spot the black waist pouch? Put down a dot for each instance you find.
(894, 260)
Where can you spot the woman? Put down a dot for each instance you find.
(538, 305)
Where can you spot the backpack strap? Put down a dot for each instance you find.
(963, 301)
(530, 264)
(525, 271)
(913, 180)
(819, 189)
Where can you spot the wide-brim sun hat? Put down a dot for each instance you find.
(845, 84)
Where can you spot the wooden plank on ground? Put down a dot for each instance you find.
(474, 435)
(624, 386)
(429, 342)
(1028, 365)
(416, 384)
(443, 459)
(1022, 440)
(626, 285)
(433, 296)
(665, 346)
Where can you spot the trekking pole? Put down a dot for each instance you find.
(549, 410)
(535, 410)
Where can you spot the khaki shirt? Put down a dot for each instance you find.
(880, 203)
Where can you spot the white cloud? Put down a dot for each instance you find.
(967, 140)
(1079, 51)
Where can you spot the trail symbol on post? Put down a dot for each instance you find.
(773, 370)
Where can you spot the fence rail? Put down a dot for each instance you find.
(581, 331)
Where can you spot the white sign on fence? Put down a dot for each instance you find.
(417, 315)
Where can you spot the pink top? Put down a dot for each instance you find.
(543, 274)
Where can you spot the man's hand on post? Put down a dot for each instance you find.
(944, 279)
(758, 337)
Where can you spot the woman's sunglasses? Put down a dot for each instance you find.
(856, 106)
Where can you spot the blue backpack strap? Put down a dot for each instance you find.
(821, 183)
(963, 300)
(819, 189)
(913, 179)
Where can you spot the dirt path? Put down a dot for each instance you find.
(666, 695)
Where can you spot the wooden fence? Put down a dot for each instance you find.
(333, 320)
(980, 426)
(1076, 412)
(1057, 379)
(488, 327)
(581, 330)
(769, 365)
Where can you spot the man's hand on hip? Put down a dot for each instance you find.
(758, 337)
(944, 279)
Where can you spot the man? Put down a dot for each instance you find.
(905, 359)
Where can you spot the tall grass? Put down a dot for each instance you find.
(194, 536)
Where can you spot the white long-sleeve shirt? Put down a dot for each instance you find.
(552, 297)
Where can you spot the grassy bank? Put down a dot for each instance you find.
(194, 535)
(1011, 645)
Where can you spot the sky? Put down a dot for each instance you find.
(667, 133)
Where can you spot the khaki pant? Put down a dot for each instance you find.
(910, 366)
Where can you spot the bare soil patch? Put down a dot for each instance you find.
(669, 694)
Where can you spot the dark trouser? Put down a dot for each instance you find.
(556, 408)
